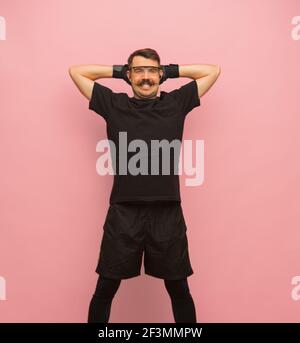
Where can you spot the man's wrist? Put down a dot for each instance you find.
(120, 72)
(172, 71)
(117, 71)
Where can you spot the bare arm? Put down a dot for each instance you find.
(85, 75)
(204, 74)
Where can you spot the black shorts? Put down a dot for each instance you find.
(156, 229)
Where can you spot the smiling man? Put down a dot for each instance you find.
(143, 73)
(144, 76)
(145, 214)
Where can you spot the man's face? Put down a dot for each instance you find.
(144, 81)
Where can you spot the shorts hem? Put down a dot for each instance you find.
(114, 277)
(169, 277)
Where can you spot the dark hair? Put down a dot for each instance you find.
(147, 53)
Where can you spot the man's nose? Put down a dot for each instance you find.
(146, 74)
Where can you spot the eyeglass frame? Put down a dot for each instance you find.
(154, 67)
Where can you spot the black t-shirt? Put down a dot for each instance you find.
(159, 119)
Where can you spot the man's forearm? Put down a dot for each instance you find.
(92, 71)
(196, 71)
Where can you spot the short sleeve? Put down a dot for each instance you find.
(187, 97)
(102, 100)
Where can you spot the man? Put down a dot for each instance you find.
(145, 213)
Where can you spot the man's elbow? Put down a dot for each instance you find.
(71, 70)
(217, 70)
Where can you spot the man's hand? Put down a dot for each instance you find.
(120, 72)
(170, 71)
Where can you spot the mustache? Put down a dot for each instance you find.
(147, 82)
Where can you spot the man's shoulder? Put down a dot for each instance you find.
(100, 87)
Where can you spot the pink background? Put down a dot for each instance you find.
(243, 221)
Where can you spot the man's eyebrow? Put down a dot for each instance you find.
(145, 66)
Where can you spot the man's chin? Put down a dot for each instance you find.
(146, 92)
(146, 95)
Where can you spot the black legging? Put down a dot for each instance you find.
(182, 302)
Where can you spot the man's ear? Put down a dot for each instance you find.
(128, 75)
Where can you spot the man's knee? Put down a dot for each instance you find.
(106, 288)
